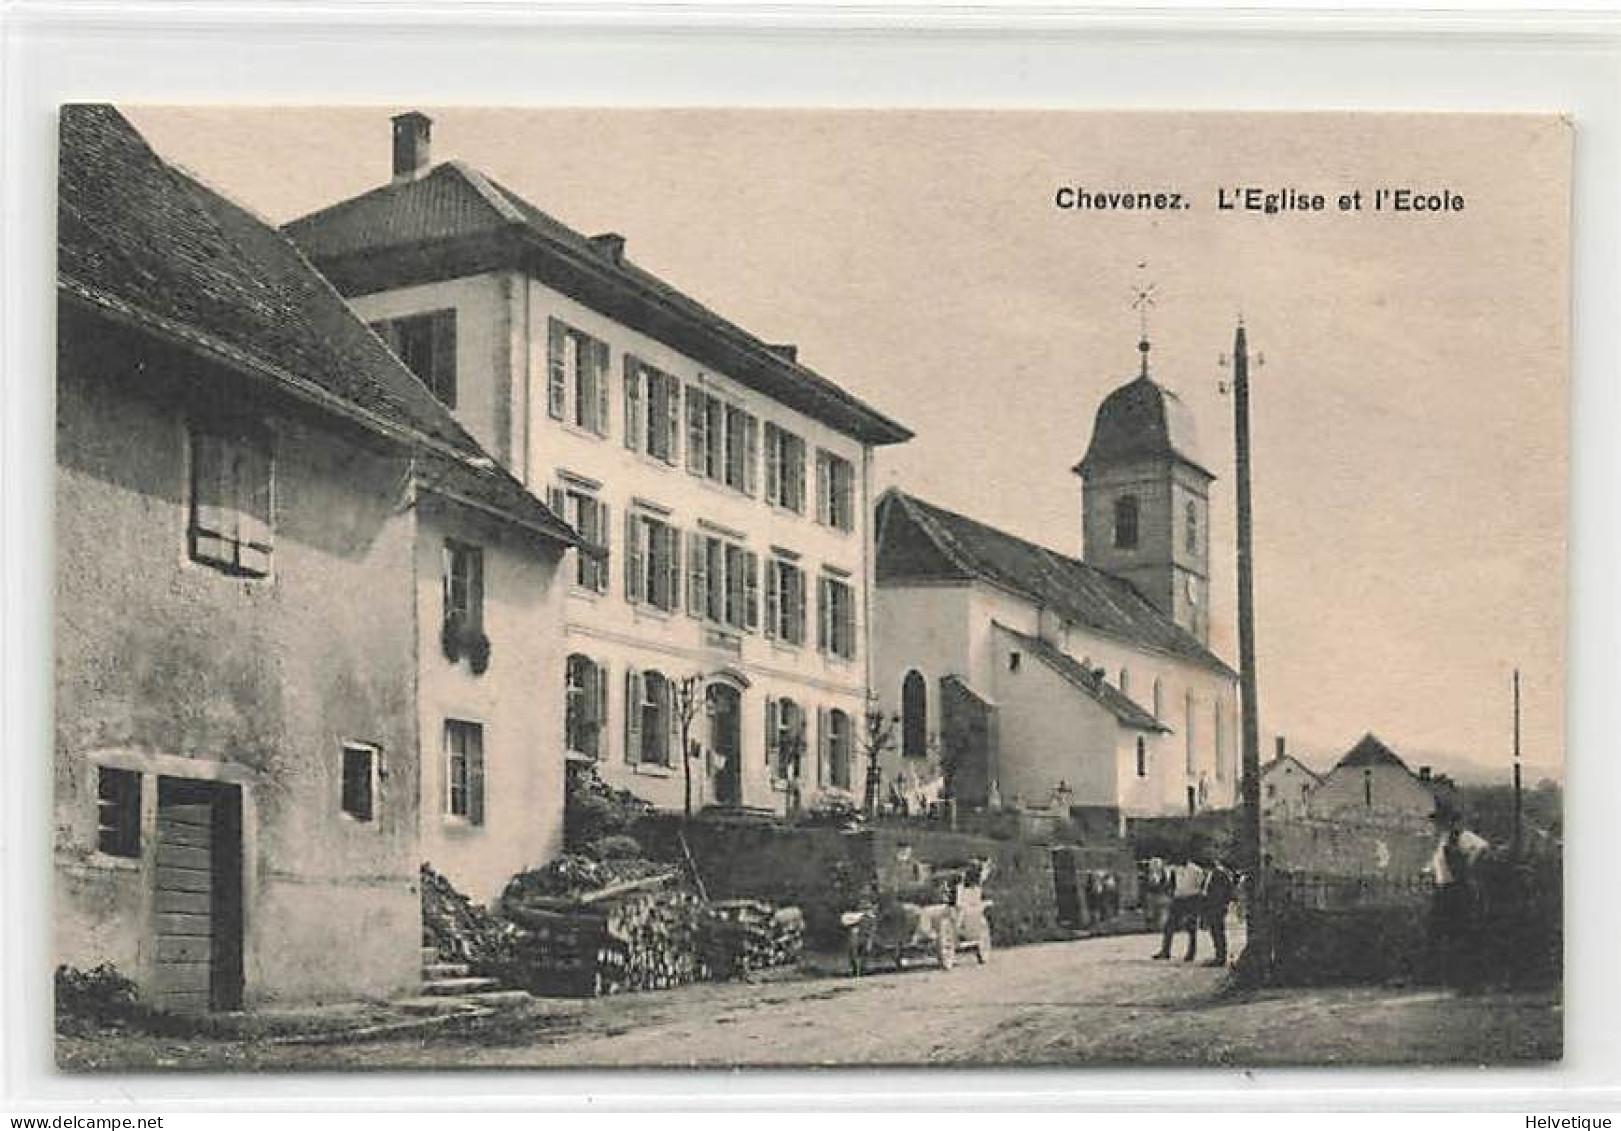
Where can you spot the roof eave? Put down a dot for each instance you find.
(197, 341)
(562, 535)
(516, 246)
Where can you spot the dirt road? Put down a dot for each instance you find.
(1091, 1002)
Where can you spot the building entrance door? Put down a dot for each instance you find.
(197, 896)
(726, 742)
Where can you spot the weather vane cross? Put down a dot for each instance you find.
(1142, 301)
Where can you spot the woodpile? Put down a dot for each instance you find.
(642, 929)
(745, 935)
(459, 929)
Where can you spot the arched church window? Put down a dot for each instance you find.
(1125, 522)
(1125, 682)
(1191, 526)
(1142, 756)
(1159, 699)
(914, 715)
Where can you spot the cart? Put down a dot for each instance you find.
(936, 920)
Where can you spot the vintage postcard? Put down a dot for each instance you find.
(620, 588)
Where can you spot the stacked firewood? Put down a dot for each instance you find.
(581, 936)
(744, 935)
(459, 929)
(587, 928)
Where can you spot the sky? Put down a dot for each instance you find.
(1410, 420)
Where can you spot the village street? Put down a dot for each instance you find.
(1087, 1002)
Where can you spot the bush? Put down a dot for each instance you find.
(613, 848)
(594, 810)
(833, 807)
(87, 999)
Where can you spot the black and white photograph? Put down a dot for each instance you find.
(779, 588)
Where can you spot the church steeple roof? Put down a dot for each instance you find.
(1142, 420)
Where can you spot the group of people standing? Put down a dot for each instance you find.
(1199, 896)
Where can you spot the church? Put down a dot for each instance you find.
(1034, 679)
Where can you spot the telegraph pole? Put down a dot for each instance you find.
(1258, 945)
(1519, 802)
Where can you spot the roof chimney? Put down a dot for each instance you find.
(786, 351)
(1282, 743)
(1423, 773)
(413, 134)
(611, 244)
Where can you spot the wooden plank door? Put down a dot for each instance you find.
(197, 896)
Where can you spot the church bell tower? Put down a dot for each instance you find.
(1145, 499)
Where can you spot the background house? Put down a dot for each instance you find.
(237, 775)
(721, 486)
(1286, 784)
(1371, 781)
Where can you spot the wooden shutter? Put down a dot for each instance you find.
(600, 365)
(822, 621)
(773, 463)
(797, 451)
(824, 746)
(599, 706)
(823, 511)
(634, 567)
(252, 480)
(696, 444)
(751, 590)
(633, 716)
(447, 571)
(672, 568)
(773, 598)
(674, 753)
(212, 521)
(697, 578)
(751, 455)
(475, 774)
(771, 735)
(442, 328)
(671, 420)
(475, 589)
(556, 371)
(736, 587)
(801, 747)
(636, 388)
(800, 597)
(600, 553)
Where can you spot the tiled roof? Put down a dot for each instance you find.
(453, 207)
(143, 242)
(1090, 682)
(919, 541)
(1278, 761)
(1369, 751)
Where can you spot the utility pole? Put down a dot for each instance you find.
(1519, 801)
(1254, 859)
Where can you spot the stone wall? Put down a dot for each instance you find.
(826, 871)
(1393, 848)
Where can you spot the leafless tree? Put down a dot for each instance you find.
(877, 737)
(689, 702)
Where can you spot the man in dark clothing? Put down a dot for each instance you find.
(1218, 893)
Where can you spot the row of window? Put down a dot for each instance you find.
(118, 798)
(1127, 514)
(723, 578)
(723, 440)
(655, 705)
